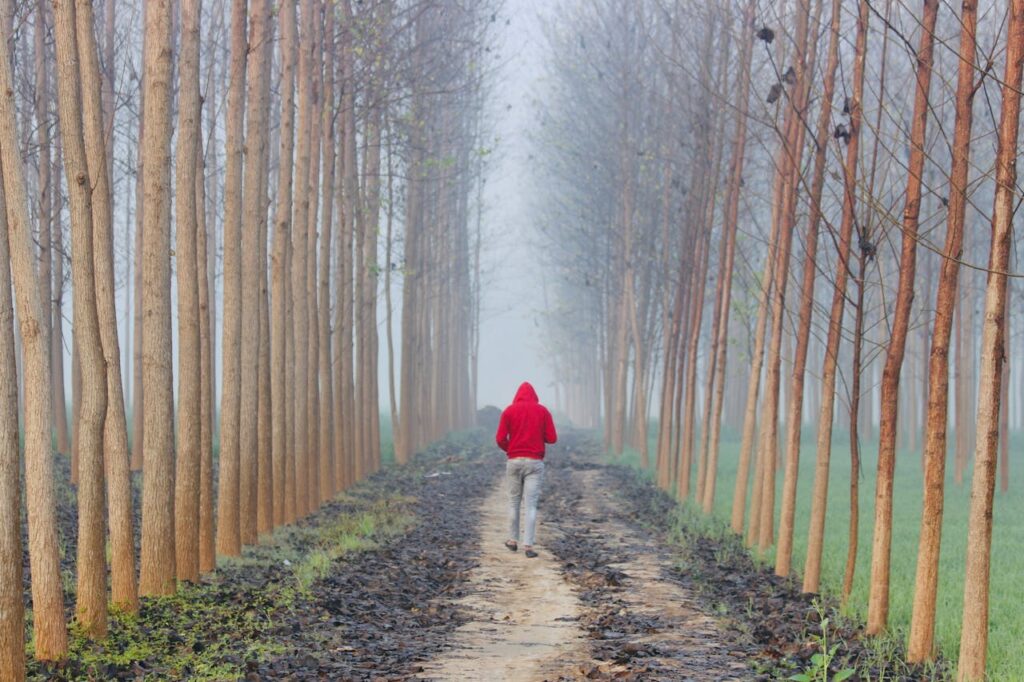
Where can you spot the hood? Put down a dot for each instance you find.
(526, 394)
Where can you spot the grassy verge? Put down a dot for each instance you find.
(1006, 629)
(216, 630)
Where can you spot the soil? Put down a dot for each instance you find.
(623, 588)
(524, 617)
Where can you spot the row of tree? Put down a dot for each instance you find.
(291, 160)
(769, 180)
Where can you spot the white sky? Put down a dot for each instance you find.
(510, 344)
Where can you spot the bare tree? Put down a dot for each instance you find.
(253, 216)
(975, 623)
(794, 420)
(12, 605)
(279, 269)
(228, 531)
(158, 556)
(922, 625)
(826, 410)
(878, 604)
(187, 473)
(47, 597)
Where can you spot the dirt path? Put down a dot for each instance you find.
(677, 640)
(597, 603)
(525, 616)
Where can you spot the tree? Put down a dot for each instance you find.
(368, 403)
(279, 265)
(207, 540)
(922, 625)
(46, 222)
(91, 607)
(314, 27)
(974, 626)
(158, 555)
(123, 584)
(348, 196)
(253, 217)
(264, 484)
(47, 597)
(299, 263)
(140, 205)
(325, 475)
(12, 605)
(791, 151)
(730, 226)
(228, 530)
(794, 420)
(830, 363)
(187, 473)
(878, 603)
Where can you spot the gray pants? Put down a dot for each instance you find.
(524, 477)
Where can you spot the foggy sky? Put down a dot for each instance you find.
(513, 297)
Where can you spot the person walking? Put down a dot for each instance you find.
(525, 428)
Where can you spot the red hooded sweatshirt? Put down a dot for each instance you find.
(525, 426)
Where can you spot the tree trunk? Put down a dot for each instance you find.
(91, 570)
(47, 597)
(974, 627)
(370, 267)
(253, 216)
(207, 541)
(791, 153)
(406, 435)
(124, 589)
(878, 603)
(138, 423)
(264, 436)
(228, 530)
(396, 427)
(300, 257)
(279, 268)
(313, 454)
(46, 201)
(753, 386)
(819, 498)
(855, 389)
(12, 604)
(158, 555)
(721, 75)
(349, 198)
(922, 626)
(696, 313)
(76, 389)
(794, 412)
(730, 225)
(187, 473)
(326, 397)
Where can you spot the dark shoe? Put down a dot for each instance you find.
(511, 545)
(530, 554)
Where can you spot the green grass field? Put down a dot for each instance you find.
(1006, 624)
(387, 441)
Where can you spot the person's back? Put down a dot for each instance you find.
(525, 428)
